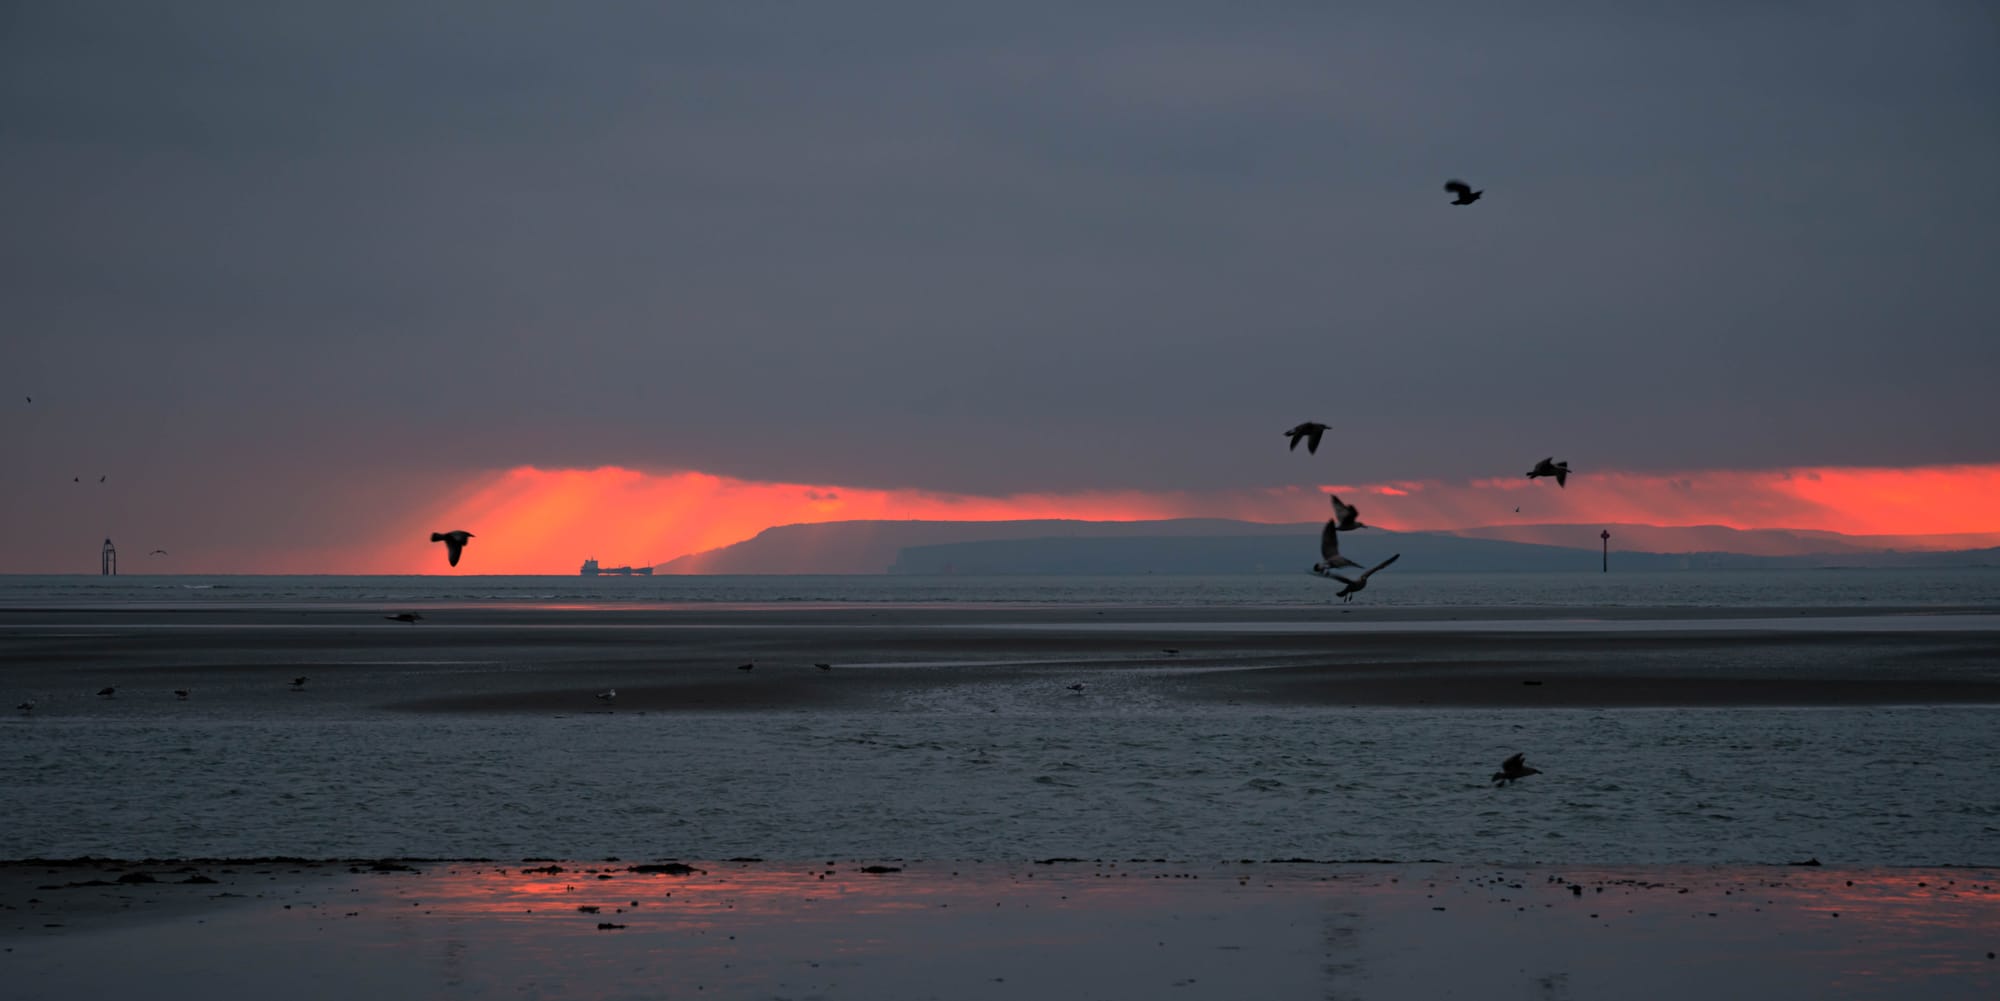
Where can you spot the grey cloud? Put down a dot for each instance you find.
(1020, 248)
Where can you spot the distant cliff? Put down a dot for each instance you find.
(1218, 546)
(841, 547)
(1238, 554)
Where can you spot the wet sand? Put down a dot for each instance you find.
(1082, 929)
(483, 659)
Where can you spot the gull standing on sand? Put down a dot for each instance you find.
(1354, 585)
(1514, 768)
(1550, 467)
(454, 543)
(1310, 431)
(1466, 195)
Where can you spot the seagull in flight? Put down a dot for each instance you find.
(1329, 548)
(1549, 467)
(1463, 191)
(1356, 584)
(157, 552)
(454, 542)
(607, 695)
(1310, 431)
(1346, 517)
(1514, 768)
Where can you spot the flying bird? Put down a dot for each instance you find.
(824, 667)
(1549, 467)
(1356, 584)
(607, 694)
(1329, 548)
(183, 693)
(1346, 517)
(1076, 687)
(1466, 195)
(1310, 431)
(403, 617)
(1514, 768)
(747, 666)
(157, 552)
(299, 683)
(101, 479)
(454, 543)
(107, 691)
(28, 706)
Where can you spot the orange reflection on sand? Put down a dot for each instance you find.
(694, 899)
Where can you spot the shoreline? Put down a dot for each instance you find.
(899, 929)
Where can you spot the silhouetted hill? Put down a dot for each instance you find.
(1242, 554)
(1205, 545)
(871, 546)
(1720, 539)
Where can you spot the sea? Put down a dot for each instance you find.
(1858, 589)
(998, 772)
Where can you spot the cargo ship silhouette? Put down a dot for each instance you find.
(591, 569)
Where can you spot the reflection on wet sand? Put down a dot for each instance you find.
(1061, 929)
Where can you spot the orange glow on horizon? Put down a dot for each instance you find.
(529, 520)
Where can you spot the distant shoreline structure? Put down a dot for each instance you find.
(591, 569)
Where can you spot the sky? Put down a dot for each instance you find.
(304, 285)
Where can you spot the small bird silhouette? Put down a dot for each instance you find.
(107, 691)
(404, 617)
(182, 693)
(1310, 431)
(454, 543)
(607, 695)
(1346, 517)
(1355, 584)
(101, 479)
(1514, 768)
(1170, 650)
(1329, 547)
(1466, 195)
(1076, 687)
(157, 552)
(299, 683)
(1549, 467)
(747, 666)
(824, 667)
(76, 479)
(28, 706)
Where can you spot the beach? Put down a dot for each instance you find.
(1183, 801)
(1057, 928)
